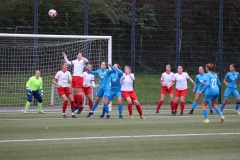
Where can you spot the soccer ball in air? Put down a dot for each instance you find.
(52, 13)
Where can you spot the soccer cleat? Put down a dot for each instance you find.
(190, 112)
(64, 116)
(89, 114)
(75, 109)
(156, 112)
(24, 112)
(211, 111)
(41, 112)
(120, 117)
(206, 121)
(237, 111)
(222, 118)
(174, 113)
(108, 116)
(142, 117)
(73, 116)
(181, 114)
(131, 117)
(79, 110)
(102, 116)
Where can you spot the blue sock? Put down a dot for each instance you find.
(103, 110)
(237, 106)
(120, 109)
(210, 106)
(94, 106)
(106, 108)
(222, 107)
(194, 104)
(218, 111)
(205, 114)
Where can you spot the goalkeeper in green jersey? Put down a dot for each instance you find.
(33, 85)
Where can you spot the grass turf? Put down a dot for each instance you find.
(41, 136)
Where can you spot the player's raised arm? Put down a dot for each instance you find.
(85, 60)
(112, 69)
(66, 59)
(92, 72)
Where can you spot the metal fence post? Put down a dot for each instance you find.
(133, 36)
(220, 46)
(178, 34)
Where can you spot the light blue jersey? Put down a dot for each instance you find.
(199, 82)
(115, 78)
(232, 79)
(211, 88)
(231, 88)
(104, 77)
(115, 84)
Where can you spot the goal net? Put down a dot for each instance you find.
(22, 54)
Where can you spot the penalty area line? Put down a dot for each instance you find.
(117, 137)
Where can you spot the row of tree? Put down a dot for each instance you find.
(155, 27)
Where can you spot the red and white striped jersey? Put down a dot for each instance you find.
(63, 78)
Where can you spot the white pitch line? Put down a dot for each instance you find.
(118, 137)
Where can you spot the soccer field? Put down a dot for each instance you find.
(48, 136)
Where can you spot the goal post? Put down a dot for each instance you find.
(22, 54)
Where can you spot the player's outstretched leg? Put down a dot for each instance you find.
(93, 108)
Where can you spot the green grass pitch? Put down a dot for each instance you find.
(48, 136)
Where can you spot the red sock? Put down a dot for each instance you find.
(64, 106)
(90, 104)
(159, 105)
(182, 104)
(130, 109)
(72, 106)
(172, 105)
(75, 97)
(80, 101)
(139, 109)
(175, 106)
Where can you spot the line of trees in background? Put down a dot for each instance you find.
(155, 27)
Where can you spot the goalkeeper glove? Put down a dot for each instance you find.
(29, 90)
(42, 92)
